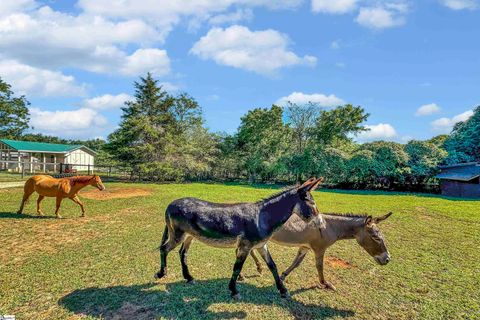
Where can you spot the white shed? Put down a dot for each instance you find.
(45, 157)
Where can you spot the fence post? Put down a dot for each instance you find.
(23, 170)
(61, 168)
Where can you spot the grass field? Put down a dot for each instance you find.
(102, 266)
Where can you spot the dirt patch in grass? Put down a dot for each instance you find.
(115, 193)
(338, 263)
(132, 311)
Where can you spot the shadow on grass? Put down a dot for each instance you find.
(185, 301)
(14, 215)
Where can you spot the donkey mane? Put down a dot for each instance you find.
(80, 179)
(348, 215)
(282, 191)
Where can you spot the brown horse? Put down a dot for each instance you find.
(48, 186)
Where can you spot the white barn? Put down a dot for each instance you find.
(44, 157)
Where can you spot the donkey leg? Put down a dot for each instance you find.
(171, 239)
(242, 254)
(257, 262)
(39, 200)
(319, 256)
(183, 259)
(265, 254)
(302, 251)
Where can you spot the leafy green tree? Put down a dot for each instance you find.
(463, 144)
(262, 140)
(390, 163)
(339, 124)
(302, 120)
(360, 169)
(423, 160)
(14, 115)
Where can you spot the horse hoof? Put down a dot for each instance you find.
(236, 296)
(285, 295)
(160, 275)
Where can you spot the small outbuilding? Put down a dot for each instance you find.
(44, 157)
(460, 180)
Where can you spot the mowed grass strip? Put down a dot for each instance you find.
(102, 266)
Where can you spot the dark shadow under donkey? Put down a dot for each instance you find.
(244, 226)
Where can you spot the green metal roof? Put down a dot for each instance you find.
(41, 146)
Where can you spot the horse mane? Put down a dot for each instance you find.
(80, 179)
(279, 193)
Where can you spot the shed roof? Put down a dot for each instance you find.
(460, 172)
(43, 146)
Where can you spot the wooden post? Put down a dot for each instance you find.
(61, 168)
(23, 170)
(19, 160)
(30, 157)
(44, 166)
(55, 163)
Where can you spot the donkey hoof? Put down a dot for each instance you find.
(283, 276)
(160, 274)
(328, 286)
(241, 277)
(191, 281)
(236, 296)
(285, 295)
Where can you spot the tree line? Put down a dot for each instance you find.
(163, 137)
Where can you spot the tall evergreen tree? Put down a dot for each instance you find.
(14, 114)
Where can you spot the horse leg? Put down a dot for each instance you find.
(183, 259)
(77, 201)
(302, 251)
(319, 256)
(57, 204)
(39, 210)
(265, 254)
(170, 240)
(242, 253)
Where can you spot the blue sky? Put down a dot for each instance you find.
(413, 65)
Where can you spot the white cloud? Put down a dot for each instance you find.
(427, 109)
(11, 6)
(107, 101)
(335, 44)
(383, 16)
(381, 131)
(76, 123)
(33, 81)
(301, 98)
(232, 17)
(145, 60)
(445, 125)
(461, 4)
(333, 6)
(262, 52)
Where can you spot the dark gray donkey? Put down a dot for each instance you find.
(244, 226)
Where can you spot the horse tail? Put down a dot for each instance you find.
(28, 189)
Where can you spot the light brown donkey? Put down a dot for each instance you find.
(48, 186)
(296, 233)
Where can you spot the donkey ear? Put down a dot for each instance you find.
(316, 184)
(379, 219)
(368, 220)
(307, 183)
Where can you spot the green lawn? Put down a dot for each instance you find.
(102, 266)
